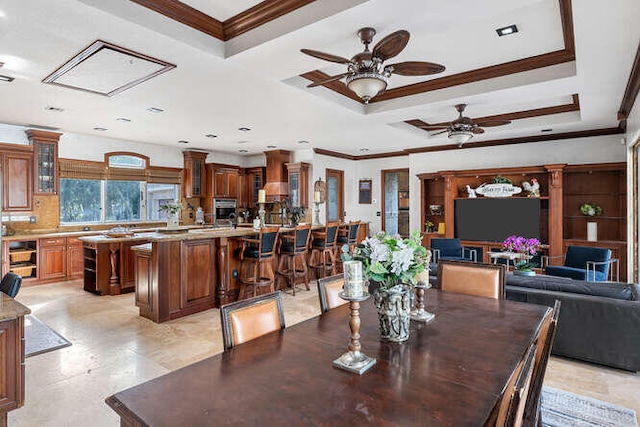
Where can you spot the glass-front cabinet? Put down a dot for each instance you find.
(298, 183)
(45, 157)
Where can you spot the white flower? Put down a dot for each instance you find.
(402, 260)
(379, 251)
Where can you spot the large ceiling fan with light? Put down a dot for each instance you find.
(463, 128)
(366, 75)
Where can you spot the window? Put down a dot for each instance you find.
(80, 200)
(126, 161)
(124, 201)
(85, 200)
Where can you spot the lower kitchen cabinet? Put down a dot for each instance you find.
(52, 259)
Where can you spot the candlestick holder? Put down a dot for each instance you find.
(419, 314)
(261, 214)
(354, 360)
(316, 213)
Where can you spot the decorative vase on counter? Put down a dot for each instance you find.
(173, 220)
(394, 312)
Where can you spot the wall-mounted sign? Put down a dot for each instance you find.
(498, 190)
(364, 191)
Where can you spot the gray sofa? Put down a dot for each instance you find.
(599, 322)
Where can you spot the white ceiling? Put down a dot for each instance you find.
(256, 84)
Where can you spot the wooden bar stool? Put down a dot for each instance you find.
(256, 261)
(323, 246)
(293, 253)
(347, 235)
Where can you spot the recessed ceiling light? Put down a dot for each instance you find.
(6, 79)
(243, 142)
(182, 141)
(123, 119)
(155, 110)
(56, 109)
(303, 142)
(1, 63)
(546, 130)
(243, 129)
(271, 146)
(242, 150)
(99, 129)
(505, 31)
(210, 135)
(364, 150)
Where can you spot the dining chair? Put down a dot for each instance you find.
(471, 278)
(251, 318)
(10, 284)
(512, 403)
(256, 261)
(544, 343)
(328, 290)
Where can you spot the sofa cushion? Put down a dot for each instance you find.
(574, 273)
(622, 291)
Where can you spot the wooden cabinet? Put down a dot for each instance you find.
(52, 258)
(21, 257)
(75, 261)
(224, 182)
(12, 354)
(298, 174)
(254, 181)
(194, 173)
(45, 161)
(17, 181)
(127, 266)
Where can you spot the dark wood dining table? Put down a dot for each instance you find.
(451, 371)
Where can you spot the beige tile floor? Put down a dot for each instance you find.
(114, 348)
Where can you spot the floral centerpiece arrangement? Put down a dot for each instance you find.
(393, 264)
(171, 208)
(527, 247)
(590, 209)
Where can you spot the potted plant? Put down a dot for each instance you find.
(429, 226)
(392, 263)
(171, 209)
(527, 248)
(590, 209)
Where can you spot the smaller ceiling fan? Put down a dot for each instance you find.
(366, 75)
(463, 128)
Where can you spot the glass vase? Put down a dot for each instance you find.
(394, 312)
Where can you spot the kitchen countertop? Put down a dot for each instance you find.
(10, 308)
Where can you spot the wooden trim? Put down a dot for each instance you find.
(516, 115)
(632, 89)
(382, 155)
(187, 15)
(259, 15)
(222, 165)
(615, 166)
(334, 154)
(96, 47)
(336, 85)
(494, 171)
(42, 136)
(634, 218)
(12, 148)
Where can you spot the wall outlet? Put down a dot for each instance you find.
(374, 201)
(378, 213)
(32, 219)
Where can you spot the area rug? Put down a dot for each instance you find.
(39, 338)
(563, 409)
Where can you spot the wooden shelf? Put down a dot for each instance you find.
(593, 218)
(501, 198)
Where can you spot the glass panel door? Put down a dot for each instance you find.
(335, 195)
(391, 203)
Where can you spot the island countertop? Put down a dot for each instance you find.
(10, 308)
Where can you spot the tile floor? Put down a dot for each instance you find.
(114, 348)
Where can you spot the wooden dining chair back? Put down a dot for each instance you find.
(545, 344)
(251, 318)
(328, 290)
(256, 269)
(485, 280)
(511, 406)
(292, 264)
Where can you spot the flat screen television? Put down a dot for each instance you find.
(495, 219)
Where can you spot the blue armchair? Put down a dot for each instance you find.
(451, 249)
(585, 263)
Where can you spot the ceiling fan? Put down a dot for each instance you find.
(463, 128)
(366, 75)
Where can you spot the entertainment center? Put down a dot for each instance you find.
(446, 199)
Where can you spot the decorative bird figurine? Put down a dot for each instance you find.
(472, 192)
(533, 189)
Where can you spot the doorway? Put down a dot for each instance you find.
(395, 201)
(335, 195)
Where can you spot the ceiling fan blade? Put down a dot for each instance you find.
(329, 80)
(492, 123)
(477, 130)
(433, 127)
(325, 56)
(438, 133)
(391, 45)
(415, 68)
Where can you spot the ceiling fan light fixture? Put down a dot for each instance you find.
(367, 85)
(460, 136)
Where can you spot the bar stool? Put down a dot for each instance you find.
(293, 250)
(323, 246)
(347, 235)
(256, 261)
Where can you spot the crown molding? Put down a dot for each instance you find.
(632, 89)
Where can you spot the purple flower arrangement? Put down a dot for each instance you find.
(521, 244)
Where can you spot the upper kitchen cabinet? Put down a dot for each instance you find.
(254, 181)
(17, 177)
(298, 183)
(222, 181)
(45, 161)
(194, 173)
